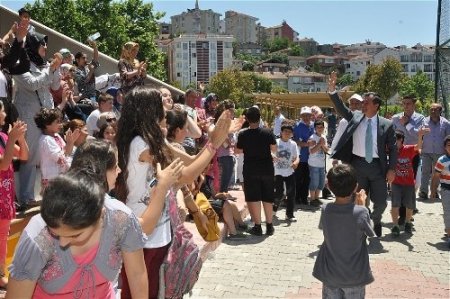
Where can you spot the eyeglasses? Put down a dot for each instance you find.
(110, 119)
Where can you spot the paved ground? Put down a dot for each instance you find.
(280, 266)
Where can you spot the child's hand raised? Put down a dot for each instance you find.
(360, 198)
(17, 131)
(72, 136)
(171, 174)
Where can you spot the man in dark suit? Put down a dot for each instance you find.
(366, 144)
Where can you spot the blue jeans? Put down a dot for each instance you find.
(226, 166)
(317, 176)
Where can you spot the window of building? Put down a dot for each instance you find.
(405, 68)
(413, 68)
(295, 80)
(428, 58)
(194, 55)
(185, 46)
(185, 56)
(428, 68)
(404, 58)
(178, 55)
(178, 45)
(194, 74)
(358, 73)
(228, 45)
(178, 75)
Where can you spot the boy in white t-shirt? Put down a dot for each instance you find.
(286, 162)
(316, 162)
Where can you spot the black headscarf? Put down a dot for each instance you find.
(32, 44)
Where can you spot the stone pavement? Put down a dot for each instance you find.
(280, 266)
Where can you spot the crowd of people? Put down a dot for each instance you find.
(147, 148)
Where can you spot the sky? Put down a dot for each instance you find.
(354, 21)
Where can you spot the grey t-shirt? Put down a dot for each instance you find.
(343, 259)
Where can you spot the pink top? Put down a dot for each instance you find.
(86, 282)
(7, 190)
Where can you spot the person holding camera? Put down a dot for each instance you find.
(85, 74)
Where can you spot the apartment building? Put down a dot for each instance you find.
(196, 21)
(241, 26)
(280, 31)
(304, 81)
(196, 58)
(368, 47)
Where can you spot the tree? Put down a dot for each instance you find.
(345, 80)
(296, 50)
(117, 21)
(260, 84)
(278, 43)
(383, 79)
(418, 86)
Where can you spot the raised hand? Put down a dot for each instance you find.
(56, 62)
(221, 129)
(332, 82)
(72, 136)
(361, 197)
(171, 174)
(22, 30)
(236, 124)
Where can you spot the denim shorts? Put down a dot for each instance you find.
(317, 178)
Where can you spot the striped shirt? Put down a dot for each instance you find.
(443, 167)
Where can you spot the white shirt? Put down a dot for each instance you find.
(316, 159)
(287, 152)
(53, 161)
(277, 124)
(140, 174)
(339, 131)
(91, 122)
(359, 138)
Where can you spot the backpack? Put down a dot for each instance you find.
(182, 264)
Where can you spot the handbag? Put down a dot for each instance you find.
(213, 232)
(182, 264)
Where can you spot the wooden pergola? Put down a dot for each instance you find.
(291, 103)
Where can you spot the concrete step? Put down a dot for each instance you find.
(207, 247)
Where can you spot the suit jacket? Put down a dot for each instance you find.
(387, 149)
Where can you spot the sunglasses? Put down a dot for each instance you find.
(110, 119)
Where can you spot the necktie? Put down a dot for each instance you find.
(369, 142)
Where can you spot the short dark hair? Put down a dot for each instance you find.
(78, 55)
(342, 180)
(446, 140)
(72, 199)
(319, 123)
(104, 97)
(23, 10)
(410, 97)
(46, 116)
(287, 126)
(376, 99)
(175, 119)
(253, 115)
(400, 135)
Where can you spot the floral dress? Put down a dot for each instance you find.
(7, 190)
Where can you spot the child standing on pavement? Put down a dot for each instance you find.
(343, 260)
(403, 186)
(442, 176)
(285, 164)
(316, 162)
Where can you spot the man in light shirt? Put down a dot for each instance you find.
(277, 122)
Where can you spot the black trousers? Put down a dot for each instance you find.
(302, 183)
(290, 192)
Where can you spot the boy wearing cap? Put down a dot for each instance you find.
(287, 161)
(403, 186)
(342, 264)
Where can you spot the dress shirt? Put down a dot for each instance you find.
(277, 124)
(411, 129)
(433, 142)
(359, 138)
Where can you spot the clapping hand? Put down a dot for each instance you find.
(17, 131)
(56, 62)
(72, 136)
(22, 29)
(423, 131)
(236, 124)
(221, 129)
(171, 174)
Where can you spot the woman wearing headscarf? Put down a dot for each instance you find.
(33, 93)
(14, 62)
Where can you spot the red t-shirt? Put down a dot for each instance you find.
(404, 173)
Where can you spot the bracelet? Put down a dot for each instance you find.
(210, 146)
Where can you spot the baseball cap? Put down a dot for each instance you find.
(305, 110)
(65, 52)
(356, 97)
